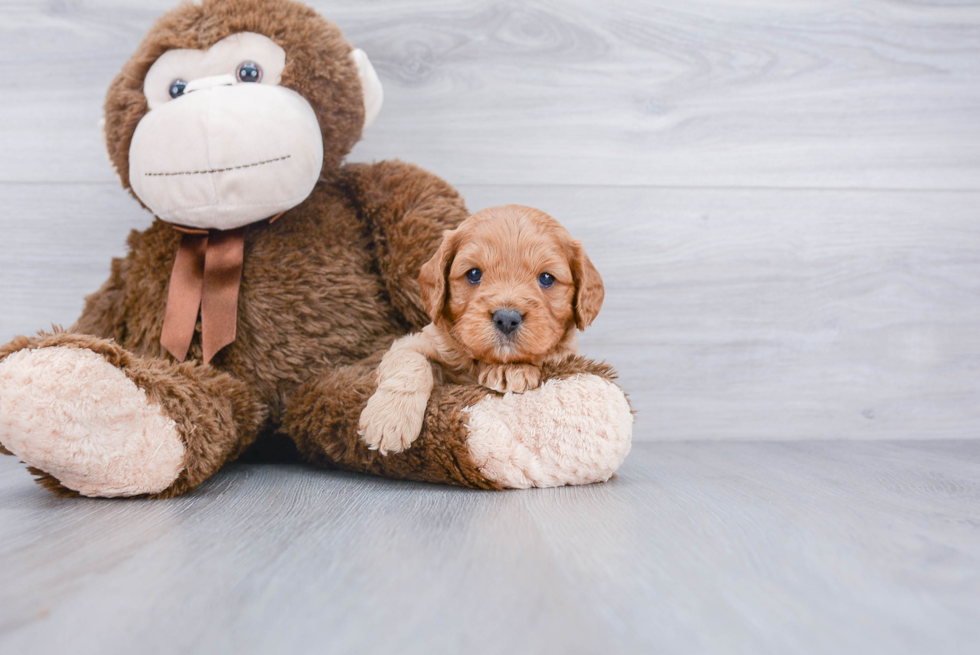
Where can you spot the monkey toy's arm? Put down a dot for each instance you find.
(573, 429)
(407, 210)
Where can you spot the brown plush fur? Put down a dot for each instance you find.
(328, 284)
(217, 415)
(325, 289)
(323, 418)
(312, 294)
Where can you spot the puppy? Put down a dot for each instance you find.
(506, 291)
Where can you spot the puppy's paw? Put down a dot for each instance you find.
(492, 376)
(392, 420)
(516, 378)
(522, 377)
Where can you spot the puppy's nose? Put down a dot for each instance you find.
(507, 320)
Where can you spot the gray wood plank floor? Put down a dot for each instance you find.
(714, 547)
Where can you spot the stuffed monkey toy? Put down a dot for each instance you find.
(258, 303)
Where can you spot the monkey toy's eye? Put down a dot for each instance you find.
(177, 88)
(546, 280)
(249, 71)
(474, 275)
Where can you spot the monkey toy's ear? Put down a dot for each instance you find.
(373, 93)
(434, 276)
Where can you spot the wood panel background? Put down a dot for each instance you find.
(782, 197)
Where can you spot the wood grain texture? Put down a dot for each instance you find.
(838, 94)
(764, 314)
(730, 314)
(782, 197)
(849, 547)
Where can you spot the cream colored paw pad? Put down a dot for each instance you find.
(70, 413)
(572, 431)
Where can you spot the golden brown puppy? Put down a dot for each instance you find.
(506, 292)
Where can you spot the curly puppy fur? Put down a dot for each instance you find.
(511, 246)
(493, 262)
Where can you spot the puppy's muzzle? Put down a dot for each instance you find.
(507, 320)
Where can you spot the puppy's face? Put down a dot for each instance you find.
(510, 283)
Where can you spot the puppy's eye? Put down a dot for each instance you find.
(177, 88)
(474, 275)
(249, 71)
(546, 280)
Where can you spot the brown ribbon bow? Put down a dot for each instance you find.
(207, 275)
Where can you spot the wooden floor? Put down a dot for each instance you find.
(697, 547)
(783, 201)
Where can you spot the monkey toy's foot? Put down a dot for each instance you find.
(74, 416)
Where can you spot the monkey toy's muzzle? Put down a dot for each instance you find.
(226, 154)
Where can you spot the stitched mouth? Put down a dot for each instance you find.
(219, 170)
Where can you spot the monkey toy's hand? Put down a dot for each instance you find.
(509, 377)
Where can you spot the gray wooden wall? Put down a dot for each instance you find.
(782, 196)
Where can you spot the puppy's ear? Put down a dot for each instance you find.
(433, 278)
(589, 291)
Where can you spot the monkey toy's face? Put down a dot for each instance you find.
(220, 139)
